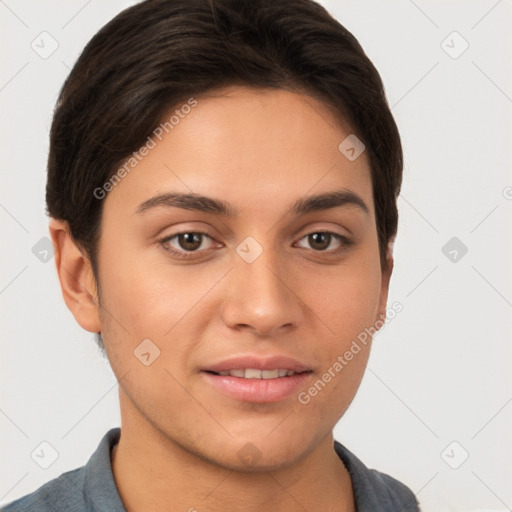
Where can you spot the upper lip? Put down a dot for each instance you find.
(258, 363)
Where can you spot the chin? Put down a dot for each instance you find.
(259, 454)
(250, 459)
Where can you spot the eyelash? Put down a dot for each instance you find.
(182, 254)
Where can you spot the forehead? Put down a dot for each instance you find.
(250, 147)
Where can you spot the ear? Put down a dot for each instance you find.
(384, 288)
(76, 277)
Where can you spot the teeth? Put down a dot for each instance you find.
(253, 373)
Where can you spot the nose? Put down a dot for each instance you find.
(260, 296)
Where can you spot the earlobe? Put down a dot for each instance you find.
(76, 278)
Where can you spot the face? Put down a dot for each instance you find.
(255, 281)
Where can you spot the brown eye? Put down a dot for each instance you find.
(319, 241)
(190, 241)
(187, 244)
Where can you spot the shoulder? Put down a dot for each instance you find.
(87, 488)
(374, 490)
(65, 492)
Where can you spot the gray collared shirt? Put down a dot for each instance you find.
(92, 488)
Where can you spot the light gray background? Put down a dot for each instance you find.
(439, 372)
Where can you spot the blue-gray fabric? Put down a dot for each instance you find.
(92, 488)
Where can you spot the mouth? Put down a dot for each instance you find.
(254, 373)
(256, 379)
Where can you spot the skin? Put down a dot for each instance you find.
(259, 151)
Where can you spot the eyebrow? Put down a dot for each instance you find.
(205, 204)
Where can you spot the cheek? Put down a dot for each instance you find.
(141, 293)
(346, 301)
(148, 298)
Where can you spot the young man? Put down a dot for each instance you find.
(222, 187)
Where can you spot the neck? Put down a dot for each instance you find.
(150, 476)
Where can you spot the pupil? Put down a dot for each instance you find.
(322, 239)
(188, 240)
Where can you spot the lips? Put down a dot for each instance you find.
(250, 362)
(257, 379)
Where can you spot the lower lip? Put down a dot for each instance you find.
(257, 390)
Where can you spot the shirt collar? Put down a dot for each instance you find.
(101, 489)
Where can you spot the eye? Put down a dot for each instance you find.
(321, 240)
(189, 244)
(185, 244)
